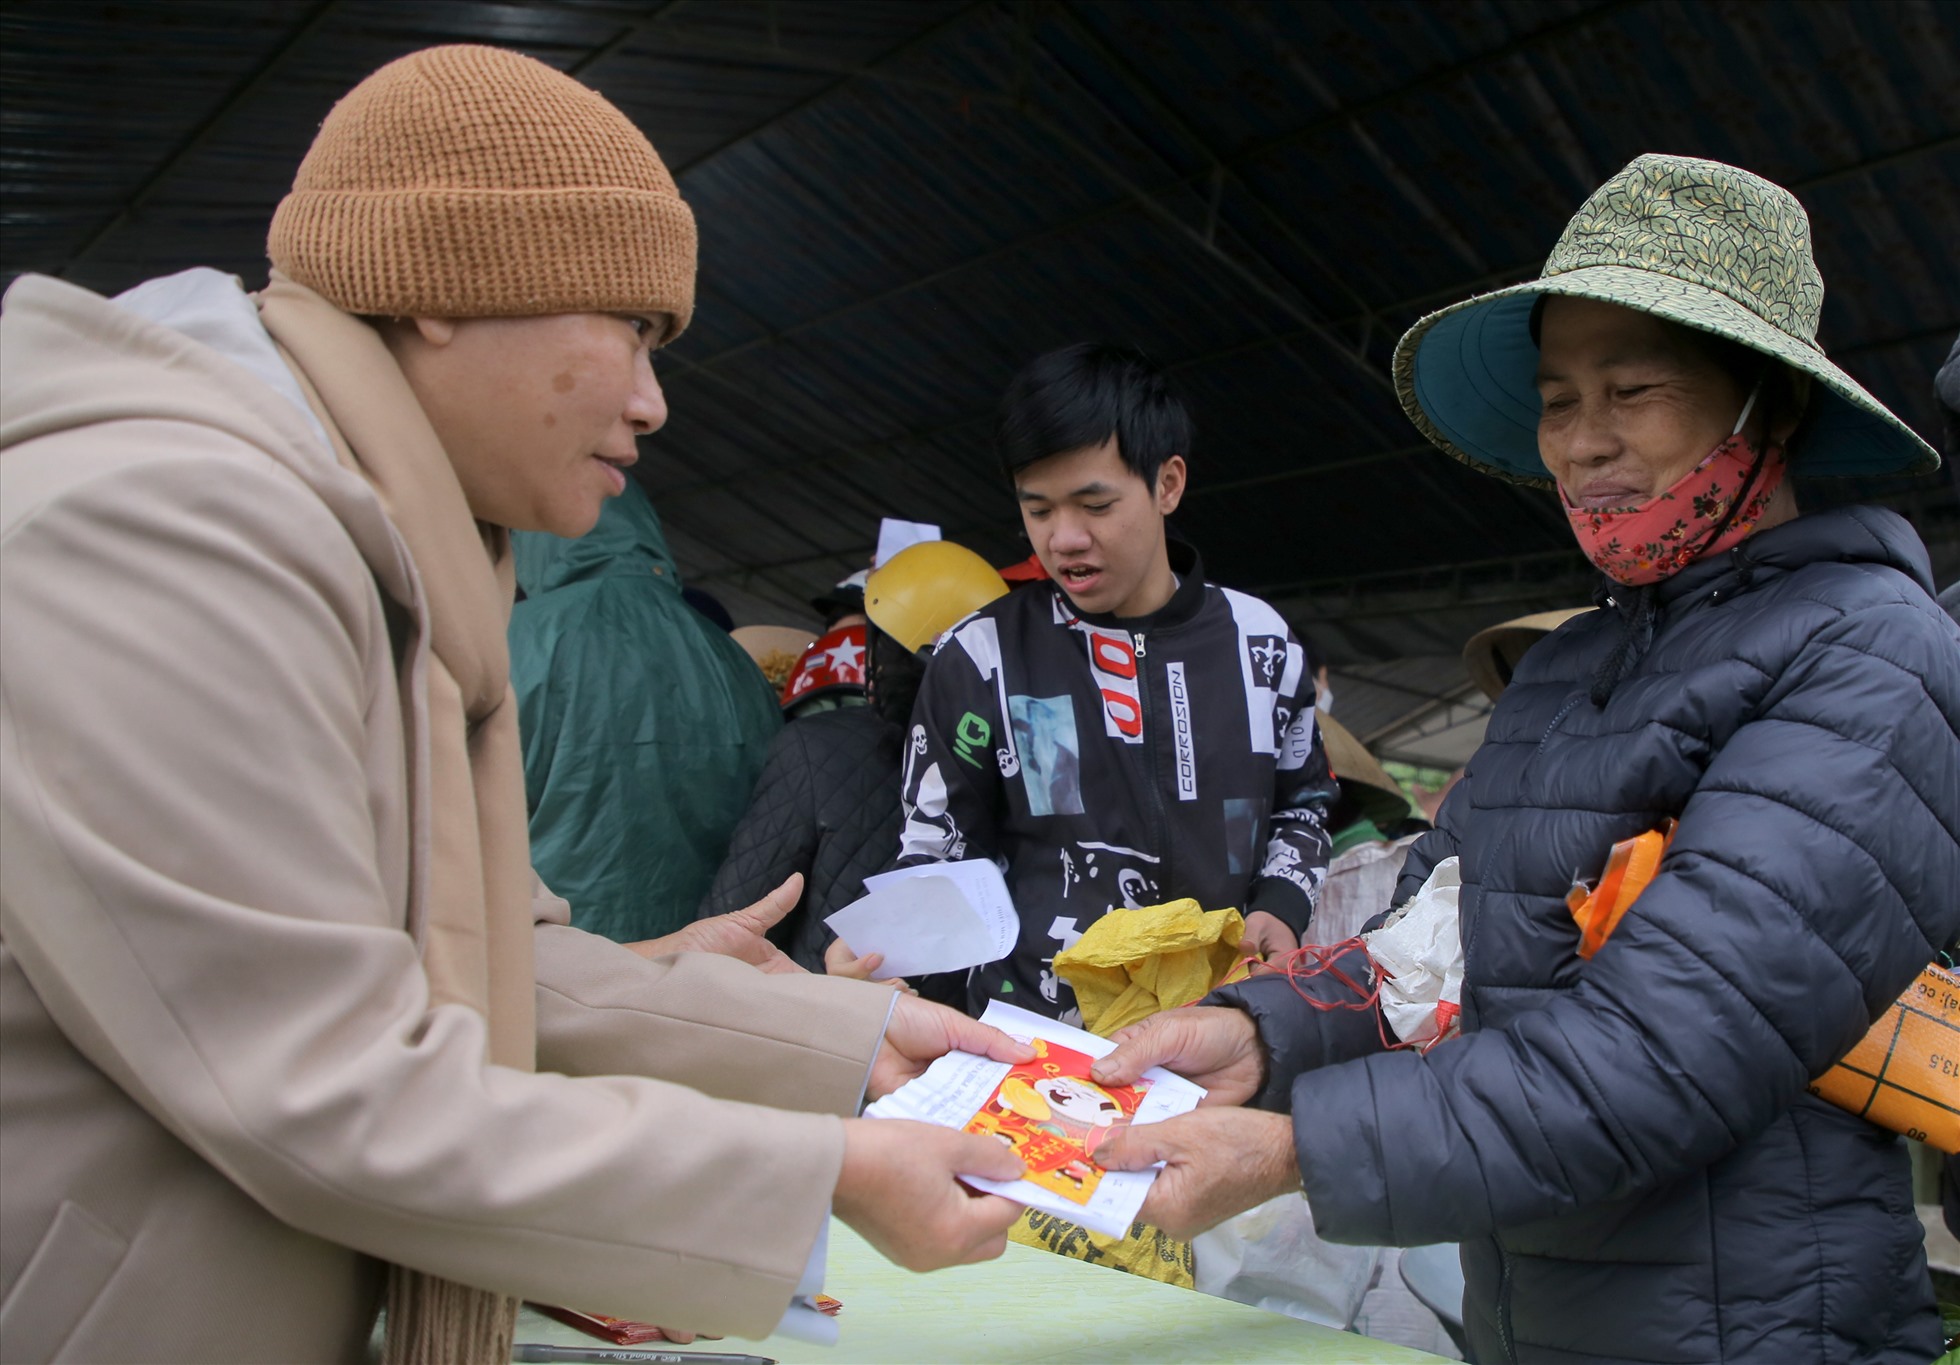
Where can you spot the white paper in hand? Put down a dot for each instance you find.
(1051, 1112)
(939, 917)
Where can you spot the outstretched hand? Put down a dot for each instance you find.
(1217, 1163)
(1215, 1045)
(921, 1032)
(900, 1188)
(739, 933)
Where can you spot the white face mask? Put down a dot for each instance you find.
(1325, 701)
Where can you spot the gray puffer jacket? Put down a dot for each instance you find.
(1625, 1146)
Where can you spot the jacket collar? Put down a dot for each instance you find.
(1185, 603)
(1842, 535)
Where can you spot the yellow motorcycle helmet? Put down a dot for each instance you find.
(920, 591)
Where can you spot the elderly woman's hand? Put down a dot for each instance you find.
(1216, 1163)
(1215, 1045)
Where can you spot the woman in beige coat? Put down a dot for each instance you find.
(284, 1010)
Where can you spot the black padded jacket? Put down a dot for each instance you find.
(826, 805)
(1625, 1146)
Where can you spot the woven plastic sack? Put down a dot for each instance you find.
(1905, 1073)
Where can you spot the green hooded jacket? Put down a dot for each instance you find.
(645, 726)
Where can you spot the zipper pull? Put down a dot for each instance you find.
(1139, 649)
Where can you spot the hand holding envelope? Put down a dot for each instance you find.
(1051, 1113)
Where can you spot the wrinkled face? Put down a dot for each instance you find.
(538, 415)
(1630, 405)
(1099, 529)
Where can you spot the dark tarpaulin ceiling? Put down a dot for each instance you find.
(900, 203)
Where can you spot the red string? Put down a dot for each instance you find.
(1313, 959)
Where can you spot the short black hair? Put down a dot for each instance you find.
(1082, 395)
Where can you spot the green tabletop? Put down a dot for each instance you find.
(1027, 1306)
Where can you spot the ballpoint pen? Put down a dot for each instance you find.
(627, 1355)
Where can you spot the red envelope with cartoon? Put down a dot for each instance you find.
(1054, 1117)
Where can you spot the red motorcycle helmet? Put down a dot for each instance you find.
(833, 666)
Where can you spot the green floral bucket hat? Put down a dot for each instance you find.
(1696, 242)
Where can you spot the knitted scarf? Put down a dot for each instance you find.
(470, 893)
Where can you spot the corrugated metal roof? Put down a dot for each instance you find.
(901, 203)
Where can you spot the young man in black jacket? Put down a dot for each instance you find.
(1126, 734)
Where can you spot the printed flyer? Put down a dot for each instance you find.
(1051, 1113)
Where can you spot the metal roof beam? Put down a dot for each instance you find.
(1391, 169)
(770, 53)
(751, 398)
(1366, 317)
(267, 67)
(660, 13)
(1363, 680)
(1347, 585)
(871, 70)
(844, 454)
(1141, 195)
(1220, 171)
(1205, 238)
(1545, 596)
(837, 454)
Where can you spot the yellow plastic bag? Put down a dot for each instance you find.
(1129, 965)
(1133, 963)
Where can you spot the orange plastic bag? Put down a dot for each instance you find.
(1630, 865)
(1903, 1075)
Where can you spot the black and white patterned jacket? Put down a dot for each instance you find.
(1107, 763)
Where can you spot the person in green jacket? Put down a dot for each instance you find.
(644, 726)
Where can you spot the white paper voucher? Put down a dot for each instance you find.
(938, 917)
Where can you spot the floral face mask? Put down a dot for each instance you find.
(1658, 538)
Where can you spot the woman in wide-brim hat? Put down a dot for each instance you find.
(1781, 684)
(1624, 1144)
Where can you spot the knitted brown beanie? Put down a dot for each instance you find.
(473, 182)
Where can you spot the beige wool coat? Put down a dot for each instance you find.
(224, 1096)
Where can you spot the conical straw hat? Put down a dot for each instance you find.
(1492, 654)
